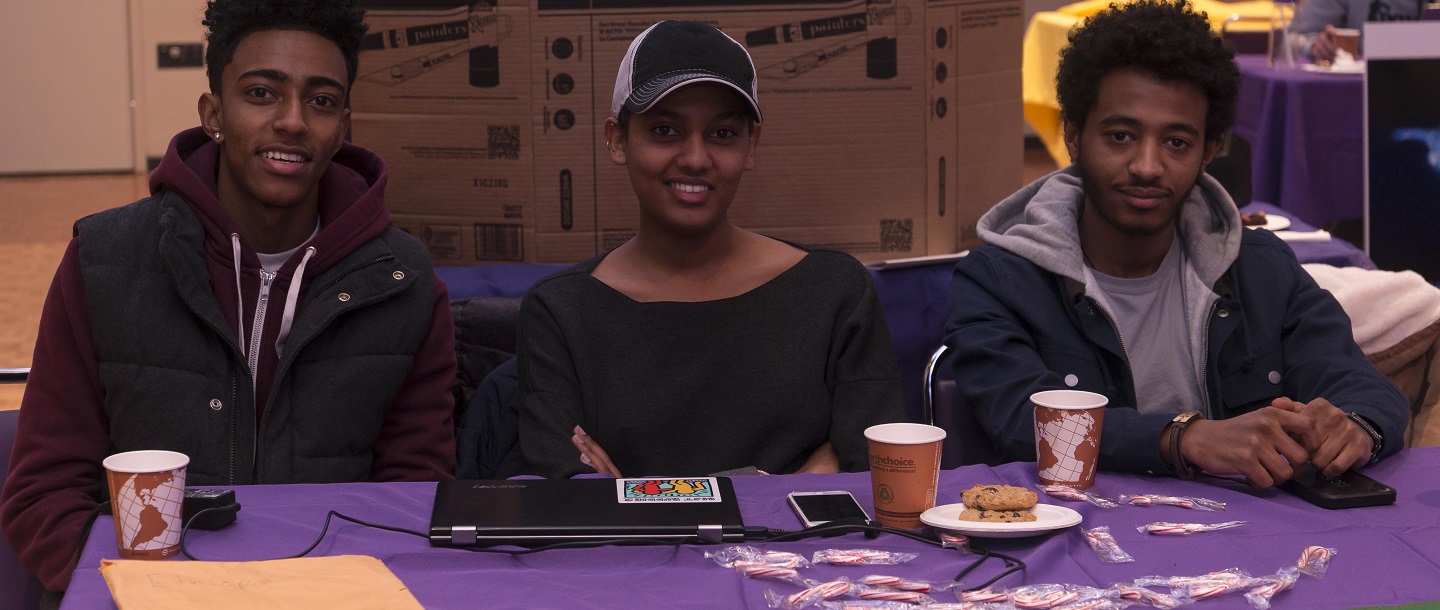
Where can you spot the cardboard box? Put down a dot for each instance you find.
(890, 125)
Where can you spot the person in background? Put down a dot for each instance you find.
(697, 346)
(1313, 31)
(1129, 274)
(257, 313)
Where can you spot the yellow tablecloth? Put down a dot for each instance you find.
(1047, 35)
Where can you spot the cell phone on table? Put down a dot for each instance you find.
(820, 507)
(1349, 490)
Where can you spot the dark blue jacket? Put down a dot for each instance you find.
(1017, 328)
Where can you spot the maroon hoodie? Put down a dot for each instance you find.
(55, 476)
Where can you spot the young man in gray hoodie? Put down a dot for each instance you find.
(1129, 274)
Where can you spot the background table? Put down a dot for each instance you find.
(1387, 555)
(1336, 252)
(1305, 133)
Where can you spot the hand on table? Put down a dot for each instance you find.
(1324, 47)
(1256, 445)
(1334, 442)
(592, 455)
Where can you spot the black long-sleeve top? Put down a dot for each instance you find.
(762, 379)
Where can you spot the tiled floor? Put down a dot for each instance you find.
(36, 214)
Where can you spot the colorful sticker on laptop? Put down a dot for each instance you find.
(647, 491)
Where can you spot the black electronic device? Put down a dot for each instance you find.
(819, 507)
(1349, 490)
(197, 500)
(540, 512)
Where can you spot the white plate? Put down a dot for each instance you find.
(1355, 68)
(1047, 517)
(1273, 222)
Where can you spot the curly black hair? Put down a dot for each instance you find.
(1165, 39)
(230, 21)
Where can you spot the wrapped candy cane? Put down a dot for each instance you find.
(1141, 595)
(872, 604)
(771, 572)
(1105, 546)
(894, 595)
(1164, 528)
(1070, 493)
(906, 584)
(1097, 603)
(1315, 561)
(1180, 501)
(983, 596)
(951, 540)
(1206, 590)
(857, 557)
(1053, 596)
(1266, 587)
(1193, 588)
(731, 556)
(1228, 576)
(866, 604)
(813, 594)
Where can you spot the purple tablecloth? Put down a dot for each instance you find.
(1336, 252)
(1387, 555)
(1305, 133)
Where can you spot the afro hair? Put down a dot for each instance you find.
(230, 21)
(1165, 39)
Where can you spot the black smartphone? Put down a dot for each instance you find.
(1349, 490)
(818, 507)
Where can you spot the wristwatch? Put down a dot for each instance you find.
(1377, 440)
(1177, 428)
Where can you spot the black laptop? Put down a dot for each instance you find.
(534, 512)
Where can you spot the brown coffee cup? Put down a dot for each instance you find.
(1067, 436)
(1348, 40)
(147, 498)
(904, 471)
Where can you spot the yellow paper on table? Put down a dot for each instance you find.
(355, 582)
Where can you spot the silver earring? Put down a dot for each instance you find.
(217, 135)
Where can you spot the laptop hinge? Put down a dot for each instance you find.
(462, 535)
(712, 533)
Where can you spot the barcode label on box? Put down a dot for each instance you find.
(503, 141)
(897, 235)
(499, 242)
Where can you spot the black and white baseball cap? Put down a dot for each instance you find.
(671, 54)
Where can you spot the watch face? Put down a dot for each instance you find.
(1186, 417)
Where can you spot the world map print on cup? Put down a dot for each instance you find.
(147, 497)
(1067, 436)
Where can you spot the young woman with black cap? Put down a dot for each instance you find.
(698, 346)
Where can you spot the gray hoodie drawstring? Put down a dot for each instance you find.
(291, 297)
(239, 299)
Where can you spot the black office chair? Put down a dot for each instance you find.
(1231, 167)
(19, 589)
(965, 441)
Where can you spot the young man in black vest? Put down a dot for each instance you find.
(1129, 274)
(256, 313)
